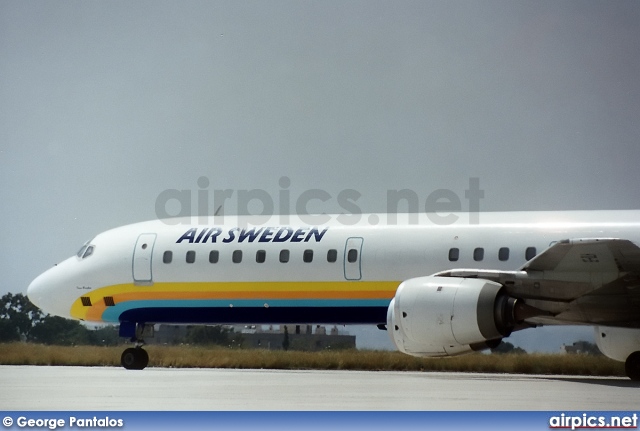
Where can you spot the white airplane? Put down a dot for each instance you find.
(439, 290)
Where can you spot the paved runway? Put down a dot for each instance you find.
(111, 389)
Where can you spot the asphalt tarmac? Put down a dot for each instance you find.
(116, 389)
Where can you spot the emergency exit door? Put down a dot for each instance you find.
(353, 258)
(142, 258)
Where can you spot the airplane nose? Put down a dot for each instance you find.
(36, 291)
(50, 291)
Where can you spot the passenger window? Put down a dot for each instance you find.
(284, 256)
(478, 254)
(261, 256)
(307, 256)
(454, 254)
(352, 256)
(214, 256)
(503, 254)
(530, 253)
(237, 256)
(167, 257)
(332, 255)
(191, 256)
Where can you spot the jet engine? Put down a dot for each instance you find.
(621, 344)
(444, 316)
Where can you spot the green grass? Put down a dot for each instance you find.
(218, 357)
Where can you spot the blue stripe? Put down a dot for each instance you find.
(113, 314)
(255, 315)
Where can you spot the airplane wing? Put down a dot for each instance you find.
(580, 281)
(588, 255)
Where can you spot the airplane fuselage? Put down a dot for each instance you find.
(237, 272)
(539, 267)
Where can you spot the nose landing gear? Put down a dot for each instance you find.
(135, 358)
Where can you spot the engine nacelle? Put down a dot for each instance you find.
(444, 316)
(617, 343)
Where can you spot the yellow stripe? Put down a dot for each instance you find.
(233, 290)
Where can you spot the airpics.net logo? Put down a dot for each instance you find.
(441, 206)
(587, 421)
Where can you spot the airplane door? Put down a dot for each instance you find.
(353, 258)
(142, 254)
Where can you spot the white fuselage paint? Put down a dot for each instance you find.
(386, 252)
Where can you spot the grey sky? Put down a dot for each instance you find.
(103, 105)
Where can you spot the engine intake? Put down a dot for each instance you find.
(444, 316)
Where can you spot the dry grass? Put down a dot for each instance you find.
(216, 357)
(40, 354)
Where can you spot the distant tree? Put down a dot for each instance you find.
(60, 331)
(105, 336)
(216, 334)
(18, 315)
(8, 331)
(21, 320)
(285, 341)
(506, 347)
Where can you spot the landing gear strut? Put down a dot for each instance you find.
(135, 358)
(632, 366)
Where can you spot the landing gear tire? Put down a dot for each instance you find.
(134, 358)
(632, 366)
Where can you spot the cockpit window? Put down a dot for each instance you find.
(86, 250)
(81, 251)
